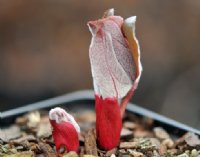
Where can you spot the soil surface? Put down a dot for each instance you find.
(30, 136)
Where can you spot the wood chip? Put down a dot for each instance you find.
(90, 143)
(127, 145)
(48, 151)
(81, 154)
(24, 138)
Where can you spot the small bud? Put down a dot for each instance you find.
(65, 130)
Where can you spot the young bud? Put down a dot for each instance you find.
(65, 130)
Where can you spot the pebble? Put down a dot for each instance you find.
(110, 152)
(21, 120)
(161, 133)
(148, 122)
(130, 125)
(21, 154)
(155, 142)
(44, 130)
(194, 153)
(155, 154)
(135, 153)
(33, 119)
(127, 145)
(71, 154)
(183, 155)
(169, 143)
(122, 151)
(191, 139)
(12, 132)
(126, 133)
(162, 149)
(126, 155)
(142, 133)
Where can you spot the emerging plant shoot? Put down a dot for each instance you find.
(116, 69)
(65, 130)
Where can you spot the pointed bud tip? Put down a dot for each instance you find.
(109, 12)
(130, 21)
(92, 27)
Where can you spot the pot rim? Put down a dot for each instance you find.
(87, 96)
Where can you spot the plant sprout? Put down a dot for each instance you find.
(65, 130)
(116, 69)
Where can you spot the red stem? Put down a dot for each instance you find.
(108, 122)
(125, 101)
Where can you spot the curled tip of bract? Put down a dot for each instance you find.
(93, 25)
(128, 29)
(109, 12)
(129, 23)
(60, 115)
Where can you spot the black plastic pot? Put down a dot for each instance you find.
(84, 100)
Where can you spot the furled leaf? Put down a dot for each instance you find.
(129, 31)
(115, 60)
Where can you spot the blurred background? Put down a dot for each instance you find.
(44, 52)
